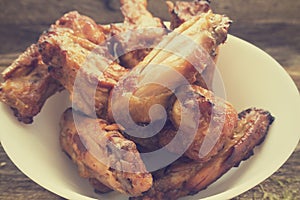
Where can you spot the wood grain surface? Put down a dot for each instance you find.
(272, 25)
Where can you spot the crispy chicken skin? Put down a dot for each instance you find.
(82, 26)
(90, 65)
(182, 11)
(27, 85)
(138, 34)
(122, 171)
(217, 119)
(187, 177)
(192, 41)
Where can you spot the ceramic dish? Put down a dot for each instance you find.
(251, 78)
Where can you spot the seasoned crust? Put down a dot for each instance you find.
(77, 59)
(137, 35)
(188, 177)
(27, 85)
(124, 172)
(182, 11)
(217, 119)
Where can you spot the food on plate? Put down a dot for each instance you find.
(187, 177)
(98, 150)
(68, 54)
(217, 119)
(27, 85)
(133, 39)
(115, 75)
(181, 55)
(182, 11)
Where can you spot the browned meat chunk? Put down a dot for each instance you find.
(102, 153)
(182, 11)
(138, 34)
(180, 56)
(216, 121)
(83, 66)
(27, 85)
(187, 177)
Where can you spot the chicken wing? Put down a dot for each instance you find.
(81, 26)
(83, 66)
(137, 35)
(182, 11)
(102, 153)
(175, 62)
(216, 121)
(187, 177)
(27, 83)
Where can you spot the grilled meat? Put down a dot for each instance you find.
(27, 85)
(137, 35)
(102, 153)
(83, 66)
(188, 177)
(182, 11)
(180, 56)
(82, 26)
(216, 121)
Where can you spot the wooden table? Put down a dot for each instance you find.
(272, 25)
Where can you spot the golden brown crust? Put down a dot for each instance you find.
(182, 11)
(27, 85)
(187, 177)
(217, 119)
(137, 35)
(122, 171)
(77, 59)
(82, 26)
(180, 52)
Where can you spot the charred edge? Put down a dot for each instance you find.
(262, 112)
(24, 119)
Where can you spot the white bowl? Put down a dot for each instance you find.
(251, 78)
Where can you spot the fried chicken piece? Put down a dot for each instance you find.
(175, 62)
(137, 35)
(85, 69)
(102, 153)
(27, 85)
(216, 121)
(82, 26)
(182, 11)
(187, 177)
